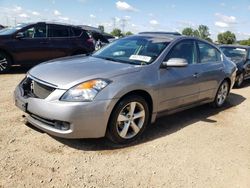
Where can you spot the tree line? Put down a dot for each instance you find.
(202, 32)
(116, 32)
(227, 37)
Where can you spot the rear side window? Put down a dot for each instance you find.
(76, 32)
(208, 53)
(58, 31)
(184, 50)
(85, 35)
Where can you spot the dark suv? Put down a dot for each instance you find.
(30, 44)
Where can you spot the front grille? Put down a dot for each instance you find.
(36, 89)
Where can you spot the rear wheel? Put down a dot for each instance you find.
(221, 95)
(240, 80)
(5, 62)
(128, 120)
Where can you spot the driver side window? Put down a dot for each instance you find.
(184, 50)
(38, 31)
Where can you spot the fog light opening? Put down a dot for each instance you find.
(64, 126)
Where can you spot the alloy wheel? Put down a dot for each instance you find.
(130, 120)
(222, 93)
(3, 64)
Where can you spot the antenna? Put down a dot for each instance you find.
(114, 22)
(123, 25)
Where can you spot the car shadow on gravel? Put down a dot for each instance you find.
(164, 126)
(173, 123)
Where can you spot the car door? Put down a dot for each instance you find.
(33, 45)
(247, 65)
(61, 43)
(210, 69)
(178, 85)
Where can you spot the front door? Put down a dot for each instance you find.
(178, 85)
(33, 47)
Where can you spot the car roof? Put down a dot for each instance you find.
(56, 23)
(90, 28)
(171, 38)
(161, 33)
(235, 46)
(166, 37)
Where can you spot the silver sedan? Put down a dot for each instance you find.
(120, 89)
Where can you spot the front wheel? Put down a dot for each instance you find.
(5, 62)
(128, 120)
(221, 94)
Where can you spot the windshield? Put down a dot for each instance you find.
(133, 50)
(235, 53)
(11, 30)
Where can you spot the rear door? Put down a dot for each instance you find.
(61, 43)
(247, 65)
(211, 69)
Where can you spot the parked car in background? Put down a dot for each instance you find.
(124, 86)
(100, 38)
(109, 37)
(240, 55)
(161, 33)
(34, 43)
(1, 27)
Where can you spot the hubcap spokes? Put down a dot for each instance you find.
(222, 95)
(130, 120)
(3, 64)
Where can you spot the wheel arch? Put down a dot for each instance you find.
(142, 93)
(8, 54)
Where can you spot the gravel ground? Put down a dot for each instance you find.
(201, 147)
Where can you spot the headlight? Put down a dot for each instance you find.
(85, 92)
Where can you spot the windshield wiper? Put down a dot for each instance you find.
(116, 60)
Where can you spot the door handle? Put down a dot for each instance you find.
(44, 42)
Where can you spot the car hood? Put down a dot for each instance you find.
(67, 72)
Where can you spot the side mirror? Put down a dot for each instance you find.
(19, 35)
(175, 62)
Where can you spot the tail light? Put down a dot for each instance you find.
(90, 41)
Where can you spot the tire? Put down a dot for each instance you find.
(221, 94)
(240, 80)
(124, 126)
(5, 62)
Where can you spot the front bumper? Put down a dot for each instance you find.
(83, 119)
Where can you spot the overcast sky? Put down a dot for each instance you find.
(135, 15)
